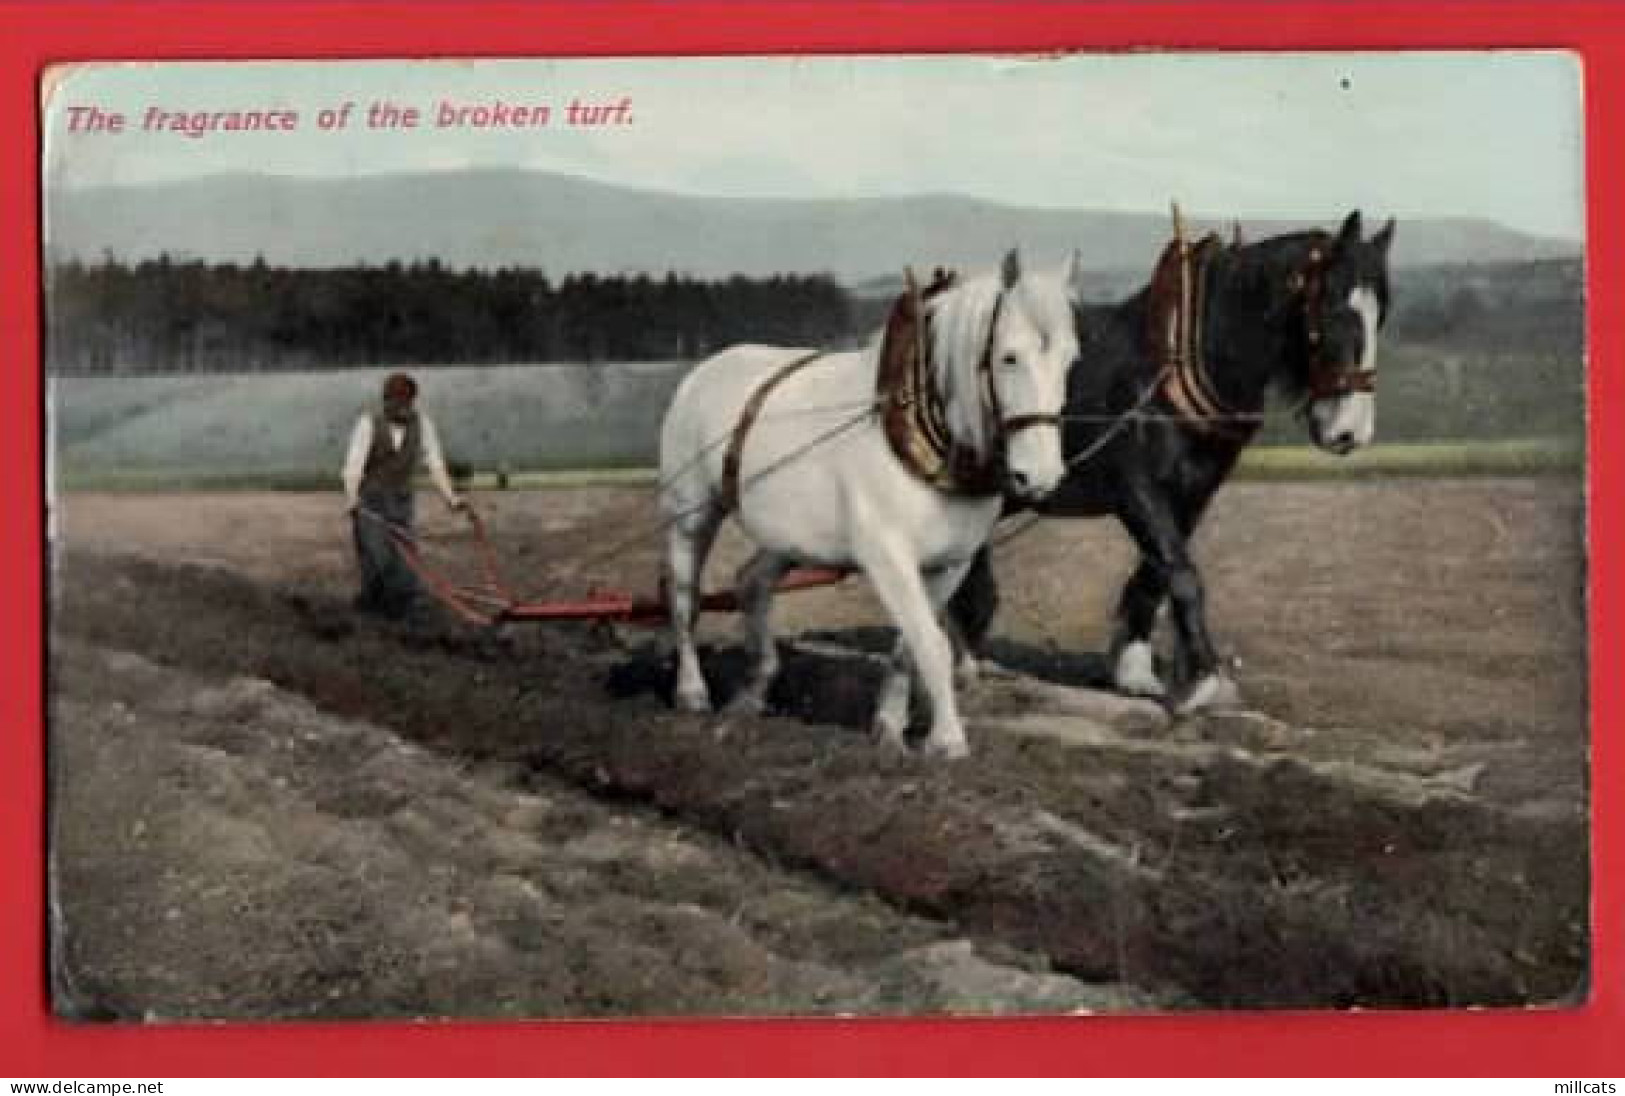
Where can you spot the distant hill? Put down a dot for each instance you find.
(564, 223)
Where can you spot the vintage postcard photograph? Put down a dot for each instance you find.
(840, 536)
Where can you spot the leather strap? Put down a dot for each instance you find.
(912, 414)
(1326, 381)
(747, 419)
(1179, 288)
(1017, 423)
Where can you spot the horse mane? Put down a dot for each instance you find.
(1258, 267)
(960, 320)
(1263, 258)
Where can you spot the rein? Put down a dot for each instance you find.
(911, 408)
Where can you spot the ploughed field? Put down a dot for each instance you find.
(265, 806)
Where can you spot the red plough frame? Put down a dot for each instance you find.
(491, 600)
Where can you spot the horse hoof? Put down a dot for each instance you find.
(967, 672)
(1136, 672)
(888, 734)
(693, 703)
(1150, 688)
(1212, 693)
(945, 748)
(746, 704)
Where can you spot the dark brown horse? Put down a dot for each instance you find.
(1171, 385)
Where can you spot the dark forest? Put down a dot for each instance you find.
(165, 316)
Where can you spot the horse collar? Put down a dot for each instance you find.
(1179, 289)
(911, 408)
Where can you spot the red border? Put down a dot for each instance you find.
(1568, 1043)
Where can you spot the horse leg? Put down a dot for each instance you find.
(1166, 563)
(687, 544)
(892, 708)
(892, 711)
(969, 614)
(914, 602)
(1134, 670)
(756, 582)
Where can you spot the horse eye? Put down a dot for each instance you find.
(1009, 359)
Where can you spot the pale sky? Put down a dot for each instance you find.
(1481, 134)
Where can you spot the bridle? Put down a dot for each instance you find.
(912, 409)
(1327, 380)
(909, 406)
(1176, 332)
(1004, 427)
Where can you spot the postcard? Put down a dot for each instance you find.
(769, 536)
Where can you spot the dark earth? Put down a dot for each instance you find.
(266, 807)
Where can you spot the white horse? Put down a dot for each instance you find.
(818, 483)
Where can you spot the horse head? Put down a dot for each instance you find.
(1341, 286)
(1002, 348)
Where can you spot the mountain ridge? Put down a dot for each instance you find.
(496, 217)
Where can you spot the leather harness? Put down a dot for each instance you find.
(911, 409)
(747, 419)
(1179, 292)
(1178, 304)
(1326, 380)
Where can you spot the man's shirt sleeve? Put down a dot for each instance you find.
(355, 460)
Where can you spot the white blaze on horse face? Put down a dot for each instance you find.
(1349, 422)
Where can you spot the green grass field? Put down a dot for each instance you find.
(551, 425)
(1517, 457)
(1511, 457)
(291, 429)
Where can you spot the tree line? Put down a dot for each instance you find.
(167, 316)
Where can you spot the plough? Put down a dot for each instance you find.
(491, 600)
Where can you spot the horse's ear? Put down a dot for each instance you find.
(1072, 276)
(1350, 232)
(1384, 237)
(1010, 273)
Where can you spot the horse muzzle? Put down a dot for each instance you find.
(1341, 445)
(1341, 424)
(1033, 464)
(1022, 488)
